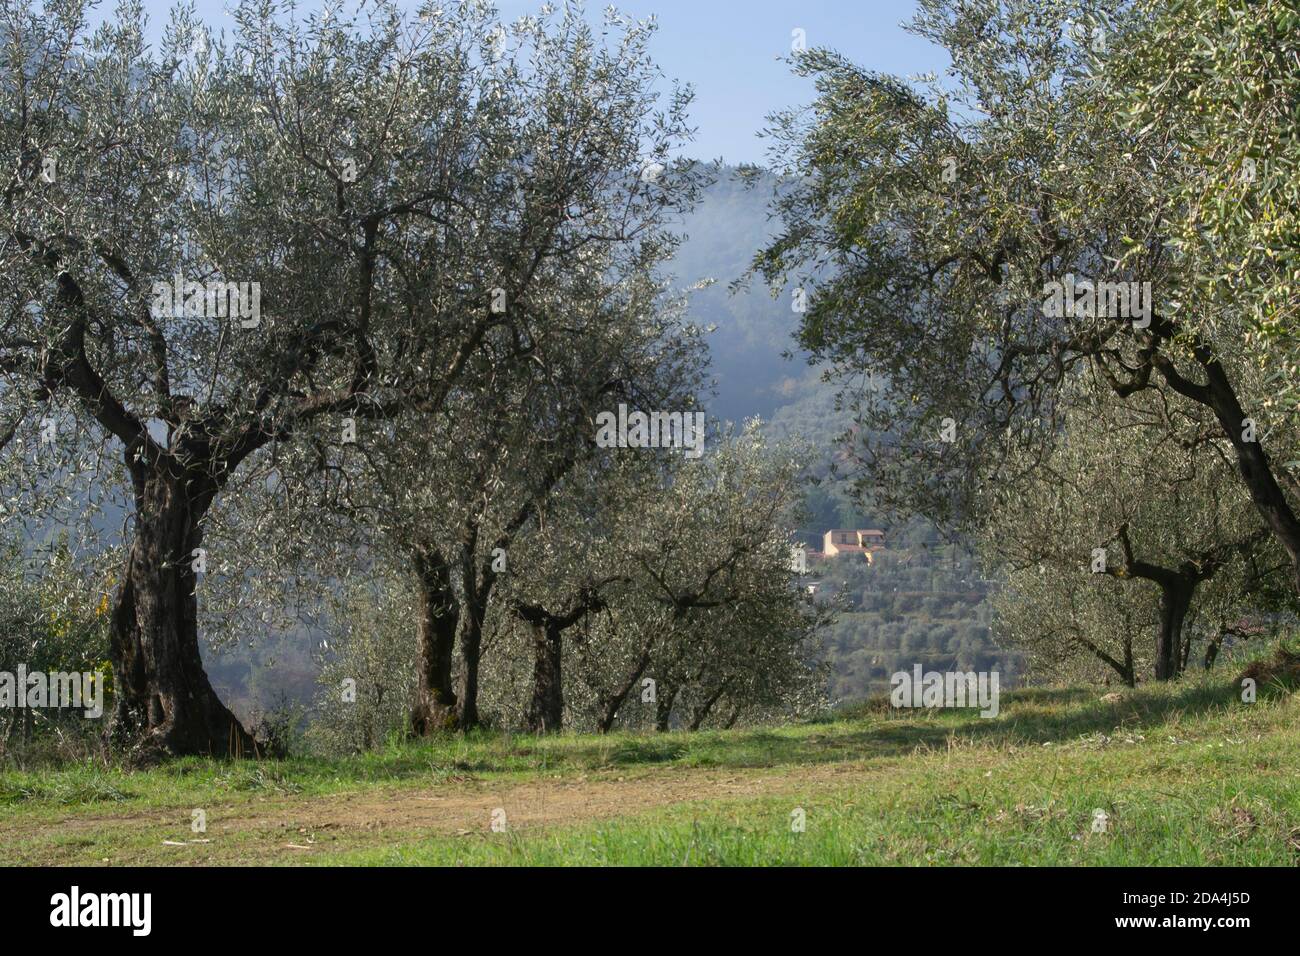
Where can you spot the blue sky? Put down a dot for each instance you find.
(728, 50)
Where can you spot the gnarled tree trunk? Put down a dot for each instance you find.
(1177, 588)
(471, 649)
(164, 702)
(546, 706)
(1175, 598)
(706, 706)
(435, 701)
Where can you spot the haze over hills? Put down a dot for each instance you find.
(753, 329)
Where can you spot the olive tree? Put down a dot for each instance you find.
(973, 242)
(493, 473)
(1134, 521)
(210, 247)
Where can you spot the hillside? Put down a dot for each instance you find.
(925, 600)
(1183, 774)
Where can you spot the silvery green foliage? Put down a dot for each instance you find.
(923, 217)
(466, 483)
(58, 479)
(53, 618)
(1062, 625)
(451, 473)
(562, 198)
(1211, 85)
(1146, 480)
(59, 504)
(386, 180)
(927, 221)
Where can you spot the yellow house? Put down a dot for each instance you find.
(844, 541)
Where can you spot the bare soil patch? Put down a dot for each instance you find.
(271, 828)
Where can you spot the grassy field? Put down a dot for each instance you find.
(1185, 775)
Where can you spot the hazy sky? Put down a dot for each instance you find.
(728, 50)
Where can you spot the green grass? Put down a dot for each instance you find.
(1186, 774)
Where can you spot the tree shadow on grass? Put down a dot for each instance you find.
(1029, 717)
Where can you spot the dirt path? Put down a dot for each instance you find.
(267, 829)
(561, 802)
